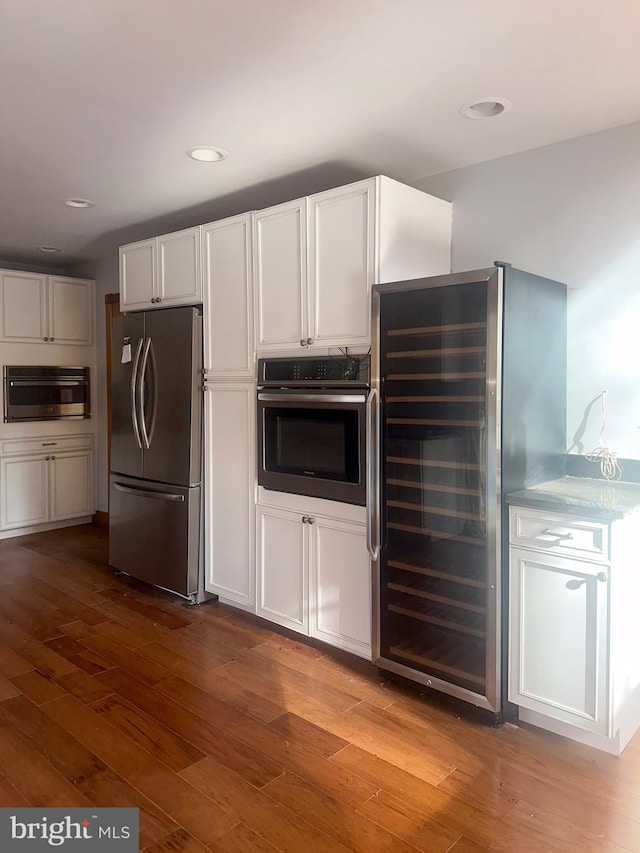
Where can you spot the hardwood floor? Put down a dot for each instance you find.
(230, 736)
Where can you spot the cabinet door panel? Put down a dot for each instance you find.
(558, 624)
(341, 249)
(283, 568)
(281, 276)
(137, 274)
(341, 586)
(72, 492)
(25, 492)
(70, 310)
(23, 307)
(179, 280)
(230, 492)
(228, 299)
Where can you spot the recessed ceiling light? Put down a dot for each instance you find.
(207, 154)
(49, 249)
(78, 202)
(485, 108)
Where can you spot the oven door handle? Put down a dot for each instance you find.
(49, 383)
(312, 398)
(373, 451)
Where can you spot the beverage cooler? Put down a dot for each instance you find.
(469, 371)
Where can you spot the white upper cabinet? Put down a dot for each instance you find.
(317, 258)
(45, 309)
(161, 272)
(280, 239)
(228, 298)
(70, 310)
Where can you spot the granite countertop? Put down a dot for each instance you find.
(606, 500)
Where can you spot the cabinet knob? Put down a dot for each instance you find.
(45, 339)
(602, 577)
(46, 458)
(311, 520)
(310, 341)
(51, 340)
(305, 519)
(303, 343)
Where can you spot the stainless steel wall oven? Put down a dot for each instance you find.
(45, 393)
(312, 426)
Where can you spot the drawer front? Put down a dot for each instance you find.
(46, 444)
(559, 534)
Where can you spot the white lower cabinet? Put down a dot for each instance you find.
(559, 638)
(573, 630)
(314, 575)
(283, 568)
(229, 414)
(45, 488)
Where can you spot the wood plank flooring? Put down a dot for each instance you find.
(230, 736)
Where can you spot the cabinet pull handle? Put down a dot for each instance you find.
(310, 341)
(49, 443)
(555, 535)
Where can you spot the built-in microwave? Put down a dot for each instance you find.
(45, 393)
(312, 427)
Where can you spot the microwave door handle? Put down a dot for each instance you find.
(373, 511)
(134, 393)
(142, 379)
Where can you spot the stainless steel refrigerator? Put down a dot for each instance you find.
(156, 426)
(470, 373)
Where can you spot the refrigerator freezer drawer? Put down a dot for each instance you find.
(154, 532)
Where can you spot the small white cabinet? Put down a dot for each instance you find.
(229, 476)
(228, 298)
(283, 567)
(161, 272)
(314, 572)
(573, 585)
(46, 487)
(37, 308)
(316, 259)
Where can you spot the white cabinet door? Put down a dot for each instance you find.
(558, 638)
(137, 274)
(229, 478)
(23, 307)
(341, 264)
(340, 611)
(283, 571)
(71, 485)
(24, 489)
(179, 277)
(228, 298)
(70, 310)
(280, 243)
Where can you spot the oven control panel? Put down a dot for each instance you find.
(329, 371)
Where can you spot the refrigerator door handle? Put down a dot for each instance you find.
(134, 392)
(141, 382)
(148, 493)
(373, 512)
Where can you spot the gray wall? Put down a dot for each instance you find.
(569, 211)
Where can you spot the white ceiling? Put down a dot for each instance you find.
(100, 98)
